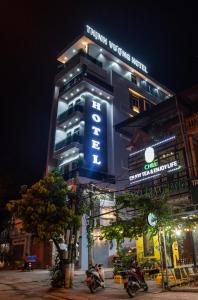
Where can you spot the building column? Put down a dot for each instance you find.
(193, 155)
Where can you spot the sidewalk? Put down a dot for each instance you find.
(186, 288)
(37, 285)
(112, 291)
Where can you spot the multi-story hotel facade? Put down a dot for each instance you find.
(98, 85)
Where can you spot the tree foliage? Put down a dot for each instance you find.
(44, 208)
(132, 213)
(132, 217)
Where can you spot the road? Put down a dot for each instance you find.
(16, 285)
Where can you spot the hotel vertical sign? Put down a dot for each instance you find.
(95, 134)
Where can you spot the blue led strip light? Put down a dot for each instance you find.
(155, 145)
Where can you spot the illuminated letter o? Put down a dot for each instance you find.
(96, 118)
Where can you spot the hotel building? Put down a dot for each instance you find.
(98, 85)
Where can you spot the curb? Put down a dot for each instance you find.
(185, 290)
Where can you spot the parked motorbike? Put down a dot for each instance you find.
(27, 266)
(133, 281)
(95, 277)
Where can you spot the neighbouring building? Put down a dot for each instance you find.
(163, 156)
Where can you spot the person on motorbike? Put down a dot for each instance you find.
(25, 262)
(138, 270)
(95, 277)
(100, 270)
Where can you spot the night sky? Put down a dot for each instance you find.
(161, 36)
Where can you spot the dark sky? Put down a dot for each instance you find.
(161, 34)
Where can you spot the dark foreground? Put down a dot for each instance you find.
(35, 285)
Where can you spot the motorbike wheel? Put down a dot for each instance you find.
(92, 287)
(131, 290)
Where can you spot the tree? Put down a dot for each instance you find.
(131, 216)
(47, 212)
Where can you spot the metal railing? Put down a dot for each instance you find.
(63, 117)
(72, 139)
(85, 74)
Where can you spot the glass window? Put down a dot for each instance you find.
(133, 78)
(78, 101)
(77, 131)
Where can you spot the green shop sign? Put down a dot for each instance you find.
(151, 165)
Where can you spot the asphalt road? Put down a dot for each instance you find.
(16, 285)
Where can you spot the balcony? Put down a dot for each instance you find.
(64, 116)
(85, 75)
(68, 141)
(148, 95)
(76, 60)
(192, 124)
(78, 169)
(98, 81)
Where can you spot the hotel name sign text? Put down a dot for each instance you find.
(95, 146)
(115, 48)
(96, 131)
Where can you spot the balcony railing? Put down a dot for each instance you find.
(192, 123)
(76, 59)
(85, 74)
(63, 117)
(99, 81)
(72, 139)
(151, 90)
(81, 171)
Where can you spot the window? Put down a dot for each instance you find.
(134, 103)
(78, 101)
(77, 131)
(147, 105)
(70, 108)
(133, 78)
(76, 135)
(68, 140)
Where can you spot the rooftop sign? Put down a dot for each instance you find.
(115, 48)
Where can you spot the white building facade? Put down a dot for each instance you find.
(98, 85)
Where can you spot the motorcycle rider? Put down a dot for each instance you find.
(98, 273)
(100, 270)
(26, 263)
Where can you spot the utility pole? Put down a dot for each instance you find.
(72, 237)
(161, 257)
(90, 227)
(165, 256)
